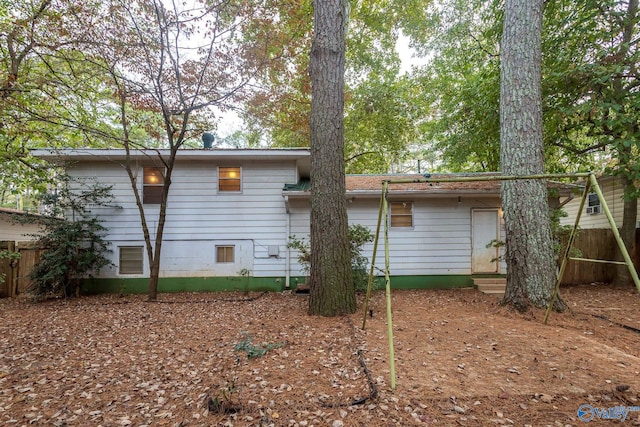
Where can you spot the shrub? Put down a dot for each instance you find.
(359, 235)
(72, 238)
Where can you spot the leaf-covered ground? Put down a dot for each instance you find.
(260, 360)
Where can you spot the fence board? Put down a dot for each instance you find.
(30, 254)
(595, 244)
(7, 289)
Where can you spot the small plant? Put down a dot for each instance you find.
(246, 274)
(359, 235)
(221, 402)
(252, 350)
(495, 243)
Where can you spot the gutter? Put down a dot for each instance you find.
(287, 267)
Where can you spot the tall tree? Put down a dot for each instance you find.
(39, 58)
(279, 110)
(593, 94)
(168, 64)
(529, 247)
(332, 290)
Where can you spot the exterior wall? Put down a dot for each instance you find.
(199, 218)
(435, 252)
(438, 245)
(16, 232)
(613, 195)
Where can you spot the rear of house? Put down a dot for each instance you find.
(231, 214)
(439, 233)
(226, 223)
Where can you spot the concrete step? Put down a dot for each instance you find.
(491, 285)
(489, 280)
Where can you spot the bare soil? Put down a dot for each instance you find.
(260, 360)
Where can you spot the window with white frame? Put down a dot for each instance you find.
(401, 214)
(229, 179)
(153, 185)
(130, 260)
(593, 204)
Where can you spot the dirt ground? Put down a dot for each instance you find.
(228, 360)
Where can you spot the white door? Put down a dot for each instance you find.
(484, 229)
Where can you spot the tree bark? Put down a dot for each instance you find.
(626, 155)
(529, 254)
(332, 290)
(622, 276)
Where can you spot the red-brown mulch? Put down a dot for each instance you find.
(224, 359)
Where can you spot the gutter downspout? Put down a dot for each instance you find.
(287, 267)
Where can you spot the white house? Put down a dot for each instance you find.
(593, 215)
(438, 232)
(14, 231)
(231, 213)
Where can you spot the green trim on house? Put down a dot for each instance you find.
(444, 281)
(238, 283)
(183, 284)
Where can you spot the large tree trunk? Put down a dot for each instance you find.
(154, 273)
(529, 254)
(332, 291)
(626, 155)
(628, 233)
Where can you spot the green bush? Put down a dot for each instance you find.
(72, 238)
(359, 235)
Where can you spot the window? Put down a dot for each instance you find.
(401, 214)
(229, 179)
(131, 261)
(593, 204)
(153, 186)
(225, 254)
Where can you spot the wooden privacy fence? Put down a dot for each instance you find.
(596, 243)
(16, 272)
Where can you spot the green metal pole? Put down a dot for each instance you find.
(565, 258)
(373, 261)
(616, 234)
(392, 360)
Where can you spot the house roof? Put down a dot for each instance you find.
(183, 154)
(300, 155)
(420, 185)
(10, 211)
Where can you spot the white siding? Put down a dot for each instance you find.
(198, 216)
(16, 232)
(438, 243)
(613, 195)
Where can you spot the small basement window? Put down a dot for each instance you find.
(229, 179)
(153, 185)
(225, 254)
(401, 214)
(593, 204)
(131, 260)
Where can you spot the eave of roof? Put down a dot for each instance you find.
(12, 212)
(90, 154)
(420, 185)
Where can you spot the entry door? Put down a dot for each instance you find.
(484, 229)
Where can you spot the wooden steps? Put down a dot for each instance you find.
(491, 285)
